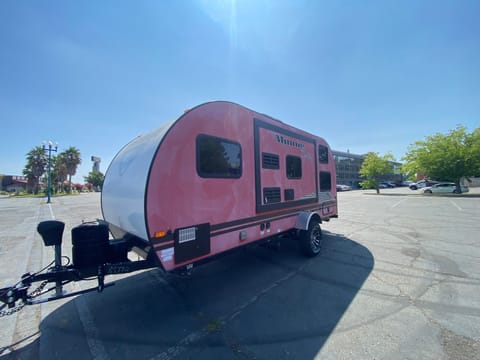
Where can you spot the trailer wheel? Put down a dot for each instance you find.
(311, 239)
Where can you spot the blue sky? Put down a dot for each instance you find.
(365, 75)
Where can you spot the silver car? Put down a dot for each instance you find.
(443, 188)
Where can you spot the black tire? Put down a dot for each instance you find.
(311, 240)
(428, 191)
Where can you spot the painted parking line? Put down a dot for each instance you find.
(95, 345)
(184, 344)
(398, 203)
(51, 211)
(454, 204)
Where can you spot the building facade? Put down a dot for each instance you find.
(348, 167)
(12, 183)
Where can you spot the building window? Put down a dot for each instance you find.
(325, 181)
(294, 167)
(218, 158)
(322, 154)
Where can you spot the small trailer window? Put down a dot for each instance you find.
(271, 195)
(325, 181)
(218, 158)
(294, 167)
(322, 154)
(270, 161)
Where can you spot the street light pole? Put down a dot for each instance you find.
(50, 147)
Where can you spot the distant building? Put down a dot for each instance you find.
(348, 166)
(13, 183)
(96, 163)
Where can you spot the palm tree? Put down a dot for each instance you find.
(35, 167)
(59, 173)
(71, 158)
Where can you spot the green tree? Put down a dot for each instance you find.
(473, 142)
(446, 157)
(35, 168)
(374, 168)
(59, 173)
(95, 178)
(71, 159)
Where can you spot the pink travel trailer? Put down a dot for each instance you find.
(219, 177)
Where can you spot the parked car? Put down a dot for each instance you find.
(341, 187)
(443, 188)
(385, 185)
(422, 184)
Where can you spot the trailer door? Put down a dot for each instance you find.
(285, 168)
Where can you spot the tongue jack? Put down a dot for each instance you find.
(52, 232)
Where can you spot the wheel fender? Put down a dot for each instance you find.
(303, 219)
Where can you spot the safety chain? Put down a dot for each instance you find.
(38, 290)
(12, 310)
(34, 293)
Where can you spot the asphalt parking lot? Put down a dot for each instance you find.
(398, 278)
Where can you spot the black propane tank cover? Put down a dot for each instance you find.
(51, 232)
(90, 244)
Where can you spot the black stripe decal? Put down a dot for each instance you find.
(261, 217)
(250, 225)
(163, 246)
(154, 241)
(246, 222)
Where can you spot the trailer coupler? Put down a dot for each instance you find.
(15, 297)
(19, 295)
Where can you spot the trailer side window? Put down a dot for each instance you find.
(325, 181)
(270, 161)
(218, 158)
(322, 154)
(294, 167)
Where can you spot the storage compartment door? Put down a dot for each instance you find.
(192, 242)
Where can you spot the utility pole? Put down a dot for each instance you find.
(50, 146)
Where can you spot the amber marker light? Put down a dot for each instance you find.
(159, 234)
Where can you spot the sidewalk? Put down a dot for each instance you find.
(405, 191)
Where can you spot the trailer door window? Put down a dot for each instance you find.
(294, 167)
(218, 158)
(322, 154)
(325, 181)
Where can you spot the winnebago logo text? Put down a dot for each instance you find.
(290, 142)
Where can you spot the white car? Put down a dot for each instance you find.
(341, 187)
(443, 188)
(422, 184)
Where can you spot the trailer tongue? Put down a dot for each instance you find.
(93, 256)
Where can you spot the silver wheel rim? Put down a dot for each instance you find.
(316, 238)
